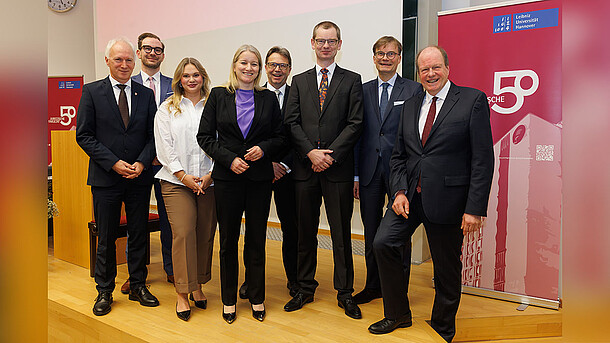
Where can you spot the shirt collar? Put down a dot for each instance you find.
(273, 89)
(391, 81)
(331, 69)
(156, 76)
(185, 100)
(442, 95)
(114, 82)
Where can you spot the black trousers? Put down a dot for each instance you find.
(445, 243)
(339, 204)
(286, 208)
(233, 198)
(107, 211)
(372, 198)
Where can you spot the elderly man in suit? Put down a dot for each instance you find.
(115, 128)
(278, 65)
(440, 174)
(324, 118)
(151, 52)
(383, 99)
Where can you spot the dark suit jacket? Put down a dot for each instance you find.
(379, 136)
(336, 127)
(166, 85)
(100, 132)
(286, 153)
(220, 137)
(456, 165)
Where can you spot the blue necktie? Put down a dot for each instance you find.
(383, 104)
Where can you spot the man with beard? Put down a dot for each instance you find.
(151, 52)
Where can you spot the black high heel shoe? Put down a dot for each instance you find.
(203, 304)
(229, 317)
(258, 315)
(184, 315)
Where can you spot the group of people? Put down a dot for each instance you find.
(218, 155)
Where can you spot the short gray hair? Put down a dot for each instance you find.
(113, 41)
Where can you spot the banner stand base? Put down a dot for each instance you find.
(517, 298)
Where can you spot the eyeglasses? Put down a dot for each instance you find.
(322, 42)
(148, 49)
(273, 65)
(390, 55)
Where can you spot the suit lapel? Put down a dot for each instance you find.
(374, 99)
(452, 97)
(397, 90)
(112, 100)
(312, 83)
(258, 109)
(232, 110)
(285, 100)
(332, 88)
(417, 110)
(135, 96)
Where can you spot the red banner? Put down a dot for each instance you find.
(63, 98)
(513, 54)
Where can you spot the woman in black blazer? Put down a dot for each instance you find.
(241, 129)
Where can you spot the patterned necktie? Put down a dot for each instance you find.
(123, 108)
(151, 85)
(323, 87)
(383, 104)
(278, 94)
(429, 122)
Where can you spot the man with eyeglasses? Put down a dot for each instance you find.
(278, 65)
(383, 99)
(324, 117)
(151, 52)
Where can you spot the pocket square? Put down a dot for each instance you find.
(396, 103)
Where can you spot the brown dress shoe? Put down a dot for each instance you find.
(125, 287)
(170, 279)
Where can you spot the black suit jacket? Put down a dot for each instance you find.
(336, 127)
(220, 137)
(456, 164)
(378, 136)
(287, 152)
(101, 133)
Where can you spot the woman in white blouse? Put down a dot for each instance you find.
(186, 183)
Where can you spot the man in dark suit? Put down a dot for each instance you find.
(151, 52)
(277, 66)
(440, 174)
(383, 99)
(115, 128)
(324, 118)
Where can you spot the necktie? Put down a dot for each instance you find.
(123, 108)
(323, 87)
(383, 104)
(429, 121)
(278, 94)
(151, 85)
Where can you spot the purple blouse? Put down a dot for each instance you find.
(244, 103)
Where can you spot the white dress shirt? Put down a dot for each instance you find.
(390, 87)
(176, 141)
(156, 81)
(331, 72)
(425, 107)
(117, 91)
(280, 97)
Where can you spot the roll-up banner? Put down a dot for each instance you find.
(64, 94)
(513, 54)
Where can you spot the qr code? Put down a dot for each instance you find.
(544, 152)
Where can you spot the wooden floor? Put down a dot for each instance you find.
(71, 293)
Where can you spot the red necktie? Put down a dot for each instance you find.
(429, 121)
(323, 87)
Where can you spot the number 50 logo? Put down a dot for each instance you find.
(67, 113)
(514, 89)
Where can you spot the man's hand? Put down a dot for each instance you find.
(254, 153)
(356, 190)
(138, 167)
(239, 166)
(125, 169)
(320, 159)
(401, 205)
(471, 223)
(278, 171)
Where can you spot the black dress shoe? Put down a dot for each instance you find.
(388, 325)
(258, 315)
(102, 303)
(297, 302)
(229, 317)
(203, 304)
(184, 315)
(243, 291)
(366, 295)
(351, 309)
(292, 287)
(143, 295)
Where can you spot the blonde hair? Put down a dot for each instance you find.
(174, 100)
(233, 84)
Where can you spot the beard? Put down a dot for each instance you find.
(151, 65)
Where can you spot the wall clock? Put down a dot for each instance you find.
(61, 5)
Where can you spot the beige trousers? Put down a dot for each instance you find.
(193, 221)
